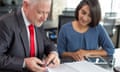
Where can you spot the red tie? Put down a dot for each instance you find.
(32, 43)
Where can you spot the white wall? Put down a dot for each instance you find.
(58, 7)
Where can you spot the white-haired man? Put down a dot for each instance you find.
(23, 43)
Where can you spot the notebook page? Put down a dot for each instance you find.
(85, 66)
(82, 66)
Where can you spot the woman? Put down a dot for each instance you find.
(85, 36)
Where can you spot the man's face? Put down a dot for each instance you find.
(38, 13)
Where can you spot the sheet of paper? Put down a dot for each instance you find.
(82, 66)
(61, 68)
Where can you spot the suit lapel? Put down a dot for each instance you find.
(24, 39)
(39, 41)
(23, 32)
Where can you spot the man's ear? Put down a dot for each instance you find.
(25, 4)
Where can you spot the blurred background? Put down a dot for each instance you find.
(62, 11)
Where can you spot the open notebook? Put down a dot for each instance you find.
(82, 66)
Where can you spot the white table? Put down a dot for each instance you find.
(117, 57)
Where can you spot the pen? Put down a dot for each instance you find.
(51, 62)
(42, 65)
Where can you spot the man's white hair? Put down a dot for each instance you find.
(36, 1)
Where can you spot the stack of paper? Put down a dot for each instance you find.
(82, 66)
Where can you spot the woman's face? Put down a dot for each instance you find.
(84, 16)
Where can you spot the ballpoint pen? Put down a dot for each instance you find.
(51, 62)
(44, 65)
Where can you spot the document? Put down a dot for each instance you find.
(82, 66)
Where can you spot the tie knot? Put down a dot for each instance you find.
(31, 26)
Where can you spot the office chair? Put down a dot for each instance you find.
(109, 25)
(63, 19)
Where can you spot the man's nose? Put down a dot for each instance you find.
(44, 16)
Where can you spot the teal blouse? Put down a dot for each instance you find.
(70, 41)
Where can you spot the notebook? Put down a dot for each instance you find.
(82, 66)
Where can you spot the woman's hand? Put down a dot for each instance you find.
(79, 55)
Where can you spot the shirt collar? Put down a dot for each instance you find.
(27, 23)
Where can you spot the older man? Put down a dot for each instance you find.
(23, 43)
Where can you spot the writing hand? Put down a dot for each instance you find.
(52, 60)
(33, 64)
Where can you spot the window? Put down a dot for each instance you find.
(72, 3)
(106, 5)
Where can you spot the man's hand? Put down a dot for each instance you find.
(33, 64)
(52, 60)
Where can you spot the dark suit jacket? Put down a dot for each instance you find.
(14, 45)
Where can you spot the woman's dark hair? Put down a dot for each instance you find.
(95, 11)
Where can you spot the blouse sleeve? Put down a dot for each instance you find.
(61, 41)
(105, 41)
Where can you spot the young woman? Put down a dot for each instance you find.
(85, 36)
